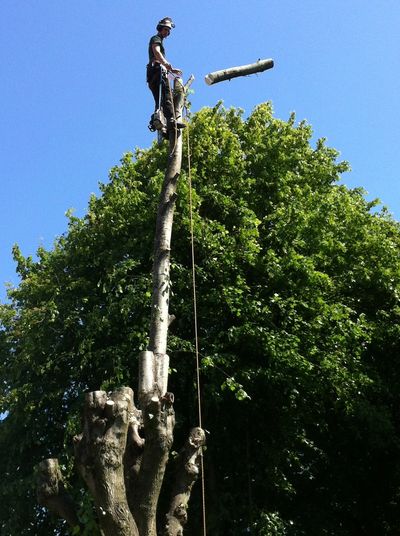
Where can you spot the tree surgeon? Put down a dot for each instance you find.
(157, 78)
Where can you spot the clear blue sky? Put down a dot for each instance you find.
(73, 96)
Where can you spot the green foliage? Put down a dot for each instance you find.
(272, 525)
(298, 284)
(86, 516)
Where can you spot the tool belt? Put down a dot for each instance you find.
(155, 69)
(152, 69)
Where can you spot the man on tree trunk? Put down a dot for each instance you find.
(157, 78)
(123, 450)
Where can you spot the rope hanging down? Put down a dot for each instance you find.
(203, 495)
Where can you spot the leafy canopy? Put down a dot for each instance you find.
(298, 282)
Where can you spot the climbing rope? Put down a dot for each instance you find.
(196, 337)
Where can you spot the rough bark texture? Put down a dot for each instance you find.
(188, 467)
(123, 451)
(162, 242)
(51, 492)
(155, 401)
(240, 70)
(99, 453)
(158, 423)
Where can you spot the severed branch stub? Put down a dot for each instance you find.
(51, 492)
(241, 70)
(99, 454)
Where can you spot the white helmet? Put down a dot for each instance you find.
(166, 22)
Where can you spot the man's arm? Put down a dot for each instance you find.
(161, 59)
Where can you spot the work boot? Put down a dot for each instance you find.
(175, 123)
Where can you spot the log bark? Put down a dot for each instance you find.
(241, 70)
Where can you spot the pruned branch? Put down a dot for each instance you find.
(51, 492)
(188, 469)
(241, 70)
(159, 421)
(188, 83)
(99, 453)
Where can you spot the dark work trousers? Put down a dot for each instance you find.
(153, 79)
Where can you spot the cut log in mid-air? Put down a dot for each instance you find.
(240, 70)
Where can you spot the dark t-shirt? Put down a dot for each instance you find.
(155, 40)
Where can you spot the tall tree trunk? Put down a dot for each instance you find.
(123, 450)
(155, 401)
(162, 251)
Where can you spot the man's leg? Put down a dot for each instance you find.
(154, 85)
(157, 121)
(166, 99)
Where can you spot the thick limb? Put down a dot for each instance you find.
(51, 492)
(159, 421)
(99, 453)
(188, 467)
(240, 70)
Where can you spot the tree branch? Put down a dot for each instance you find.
(51, 492)
(159, 421)
(187, 472)
(99, 453)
